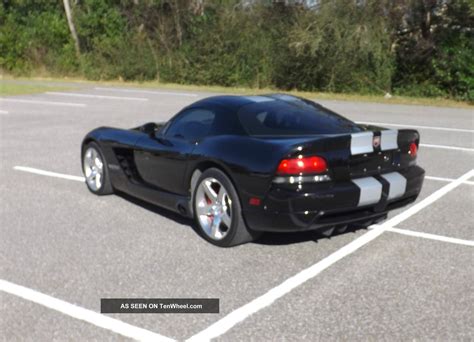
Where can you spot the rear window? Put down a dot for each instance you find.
(292, 118)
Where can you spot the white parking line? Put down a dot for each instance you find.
(421, 127)
(442, 179)
(394, 221)
(52, 103)
(240, 314)
(82, 314)
(448, 147)
(82, 179)
(98, 96)
(235, 317)
(146, 91)
(431, 236)
(48, 173)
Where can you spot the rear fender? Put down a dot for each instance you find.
(249, 163)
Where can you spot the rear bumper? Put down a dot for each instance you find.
(315, 206)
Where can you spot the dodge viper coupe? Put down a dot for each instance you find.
(242, 165)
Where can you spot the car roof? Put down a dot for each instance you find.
(234, 102)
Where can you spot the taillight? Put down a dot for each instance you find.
(302, 165)
(413, 150)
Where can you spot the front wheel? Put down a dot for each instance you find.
(96, 170)
(218, 212)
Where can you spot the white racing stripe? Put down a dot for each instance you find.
(388, 140)
(82, 314)
(414, 126)
(442, 179)
(370, 190)
(398, 184)
(285, 97)
(362, 143)
(235, 317)
(146, 91)
(467, 149)
(48, 173)
(106, 97)
(52, 103)
(257, 98)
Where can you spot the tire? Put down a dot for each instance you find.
(218, 212)
(93, 162)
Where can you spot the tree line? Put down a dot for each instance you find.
(405, 47)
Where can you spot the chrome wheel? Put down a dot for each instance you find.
(213, 208)
(93, 169)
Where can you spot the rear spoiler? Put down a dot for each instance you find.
(358, 143)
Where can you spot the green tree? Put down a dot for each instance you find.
(343, 46)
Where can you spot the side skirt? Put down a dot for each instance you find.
(174, 202)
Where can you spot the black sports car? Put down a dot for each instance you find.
(241, 165)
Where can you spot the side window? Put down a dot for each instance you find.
(191, 125)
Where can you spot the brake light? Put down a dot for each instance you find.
(413, 150)
(254, 201)
(296, 166)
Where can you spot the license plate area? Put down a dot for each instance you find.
(371, 163)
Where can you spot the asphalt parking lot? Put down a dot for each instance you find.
(62, 249)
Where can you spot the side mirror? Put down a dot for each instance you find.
(149, 129)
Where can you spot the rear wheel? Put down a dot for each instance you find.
(218, 212)
(96, 170)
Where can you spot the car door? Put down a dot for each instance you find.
(161, 159)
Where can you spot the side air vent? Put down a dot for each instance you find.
(125, 159)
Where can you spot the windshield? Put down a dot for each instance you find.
(292, 118)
